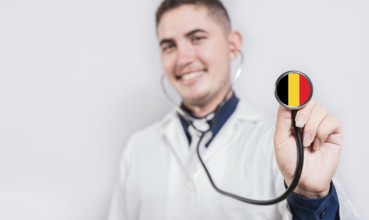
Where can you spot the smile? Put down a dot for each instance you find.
(191, 75)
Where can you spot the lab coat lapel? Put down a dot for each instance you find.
(220, 143)
(223, 141)
(176, 140)
(175, 137)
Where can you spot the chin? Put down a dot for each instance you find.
(195, 99)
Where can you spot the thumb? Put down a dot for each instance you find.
(284, 124)
(284, 121)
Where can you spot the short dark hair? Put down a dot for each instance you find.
(215, 8)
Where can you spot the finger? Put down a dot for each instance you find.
(303, 114)
(284, 119)
(317, 115)
(283, 127)
(284, 116)
(284, 122)
(329, 126)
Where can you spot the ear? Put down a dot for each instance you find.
(235, 43)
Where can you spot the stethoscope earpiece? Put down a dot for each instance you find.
(293, 89)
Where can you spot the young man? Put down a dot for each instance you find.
(160, 175)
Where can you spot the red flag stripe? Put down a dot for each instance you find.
(305, 89)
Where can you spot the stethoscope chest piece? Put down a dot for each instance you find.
(293, 89)
(201, 125)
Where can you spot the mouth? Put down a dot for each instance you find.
(191, 75)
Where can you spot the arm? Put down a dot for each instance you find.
(322, 138)
(117, 207)
(321, 208)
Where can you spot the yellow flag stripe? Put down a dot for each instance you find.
(293, 89)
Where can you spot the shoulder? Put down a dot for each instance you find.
(149, 135)
(253, 128)
(248, 115)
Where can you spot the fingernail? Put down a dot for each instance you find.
(301, 120)
(307, 139)
(316, 144)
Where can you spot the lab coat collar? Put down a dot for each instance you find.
(224, 112)
(172, 131)
(243, 112)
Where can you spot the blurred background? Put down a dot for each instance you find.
(78, 77)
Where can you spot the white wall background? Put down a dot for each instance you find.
(77, 77)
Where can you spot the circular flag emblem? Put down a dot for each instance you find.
(293, 89)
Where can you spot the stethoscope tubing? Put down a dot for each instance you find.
(289, 190)
(296, 131)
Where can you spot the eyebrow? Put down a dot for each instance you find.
(165, 41)
(195, 32)
(169, 40)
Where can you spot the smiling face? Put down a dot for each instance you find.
(196, 51)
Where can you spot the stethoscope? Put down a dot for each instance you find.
(293, 90)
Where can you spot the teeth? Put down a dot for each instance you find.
(191, 75)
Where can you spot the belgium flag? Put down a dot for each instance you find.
(294, 89)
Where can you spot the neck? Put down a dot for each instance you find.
(202, 110)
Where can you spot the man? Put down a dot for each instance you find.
(160, 176)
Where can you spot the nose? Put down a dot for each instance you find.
(185, 54)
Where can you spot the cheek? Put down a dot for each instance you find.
(217, 62)
(168, 63)
(214, 55)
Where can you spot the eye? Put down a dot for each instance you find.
(198, 39)
(167, 47)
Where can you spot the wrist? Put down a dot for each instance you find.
(311, 194)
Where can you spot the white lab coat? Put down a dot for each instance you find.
(160, 179)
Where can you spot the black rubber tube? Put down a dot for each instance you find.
(295, 181)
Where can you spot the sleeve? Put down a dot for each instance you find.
(321, 208)
(118, 205)
(117, 210)
(347, 210)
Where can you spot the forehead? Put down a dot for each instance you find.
(184, 19)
